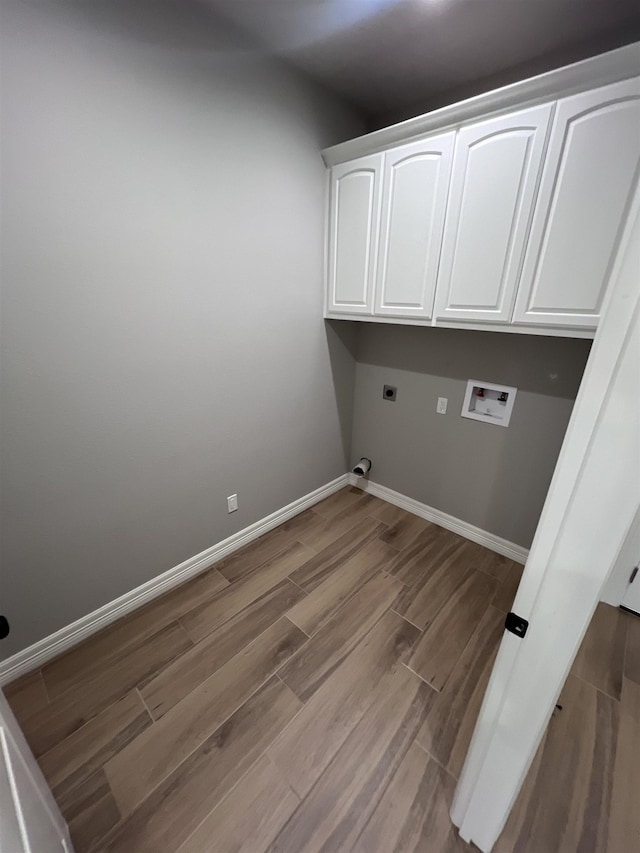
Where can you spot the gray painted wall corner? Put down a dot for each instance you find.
(488, 476)
(163, 341)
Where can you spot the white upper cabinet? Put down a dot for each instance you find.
(354, 222)
(501, 212)
(591, 165)
(495, 175)
(414, 200)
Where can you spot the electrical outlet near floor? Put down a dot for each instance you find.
(232, 503)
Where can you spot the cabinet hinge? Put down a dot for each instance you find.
(516, 624)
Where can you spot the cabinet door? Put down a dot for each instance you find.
(495, 174)
(414, 200)
(591, 165)
(354, 221)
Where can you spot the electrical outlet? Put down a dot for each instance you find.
(441, 408)
(232, 503)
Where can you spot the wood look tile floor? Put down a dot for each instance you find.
(582, 793)
(317, 691)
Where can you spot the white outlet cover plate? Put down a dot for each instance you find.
(488, 408)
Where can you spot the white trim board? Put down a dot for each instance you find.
(454, 323)
(443, 519)
(39, 653)
(61, 641)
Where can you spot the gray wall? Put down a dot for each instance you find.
(607, 39)
(163, 346)
(489, 476)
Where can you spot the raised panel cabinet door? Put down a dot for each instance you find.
(414, 201)
(496, 168)
(353, 234)
(591, 166)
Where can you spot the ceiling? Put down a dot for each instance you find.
(389, 59)
(394, 58)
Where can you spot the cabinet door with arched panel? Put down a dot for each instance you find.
(354, 221)
(592, 164)
(496, 169)
(414, 200)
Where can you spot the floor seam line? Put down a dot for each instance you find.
(594, 686)
(211, 733)
(406, 619)
(146, 707)
(434, 759)
(301, 588)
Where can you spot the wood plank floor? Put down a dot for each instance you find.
(317, 691)
(582, 793)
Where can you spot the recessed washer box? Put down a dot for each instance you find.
(488, 402)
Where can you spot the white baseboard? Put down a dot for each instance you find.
(44, 650)
(39, 653)
(463, 528)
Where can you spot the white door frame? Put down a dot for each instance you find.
(28, 800)
(619, 581)
(592, 500)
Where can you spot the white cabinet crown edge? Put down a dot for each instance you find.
(610, 67)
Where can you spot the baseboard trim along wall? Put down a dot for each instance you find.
(49, 647)
(463, 528)
(44, 650)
